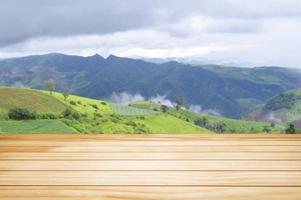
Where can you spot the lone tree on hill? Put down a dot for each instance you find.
(50, 85)
(179, 102)
(66, 94)
(164, 108)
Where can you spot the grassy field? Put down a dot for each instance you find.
(30, 99)
(35, 126)
(82, 104)
(164, 123)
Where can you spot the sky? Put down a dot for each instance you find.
(241, 32)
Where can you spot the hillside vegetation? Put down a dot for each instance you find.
(233, 91)
(85, 115)
(30, 99)
(283, 108)
(35, 126)
(217, 123)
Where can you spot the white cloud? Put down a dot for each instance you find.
(199, 109)
(259, 32)
(125, 98)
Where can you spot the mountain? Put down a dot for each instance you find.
(282, 108)
(230, 91)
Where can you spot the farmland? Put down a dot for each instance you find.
(35, 126)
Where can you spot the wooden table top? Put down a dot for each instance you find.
(150, 167)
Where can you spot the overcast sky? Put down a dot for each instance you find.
(250, 32)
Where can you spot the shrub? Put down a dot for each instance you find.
(95, 106)
(97, 114)
(21, 114)
(48, 116)
(203, 122)
(267, 129)
(164, 108)
(218, 127)
(103, 103)
(290, 129)
(71, 114)
(76, 115)
(72, 103)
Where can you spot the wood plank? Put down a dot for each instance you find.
(151, 143)
(214, 167)
(150, 156)
(148, 193)
(129, 148)
(153, 178)
(149, 165)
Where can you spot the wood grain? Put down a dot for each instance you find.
(151, 167)
(150, 156)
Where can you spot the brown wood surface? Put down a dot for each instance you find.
(151, 167)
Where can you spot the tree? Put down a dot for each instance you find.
(267, 129)
(65, 94)
(219, 127)
(164, 108)
(71, 114)
(290, 129)
(179, 102)
(21, 114)
(203, 122)
(50, 85)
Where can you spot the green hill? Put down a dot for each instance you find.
(214, 122)
(30, 99)
(282, 108)
(84, 115)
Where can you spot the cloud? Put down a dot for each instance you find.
(125, 98)
(162, 100)
(199, 109)
(271, 117)
(256, 31)
(26, 19)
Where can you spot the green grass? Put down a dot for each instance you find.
(83, 104)
(35, 126)
(233, 125)
(3, 114)
(30, 99)
(164, 123)
(131, 111)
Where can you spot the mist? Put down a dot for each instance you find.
(127, 98)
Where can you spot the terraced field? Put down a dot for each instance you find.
(131, 111)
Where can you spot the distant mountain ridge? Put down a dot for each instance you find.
(232, 91)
